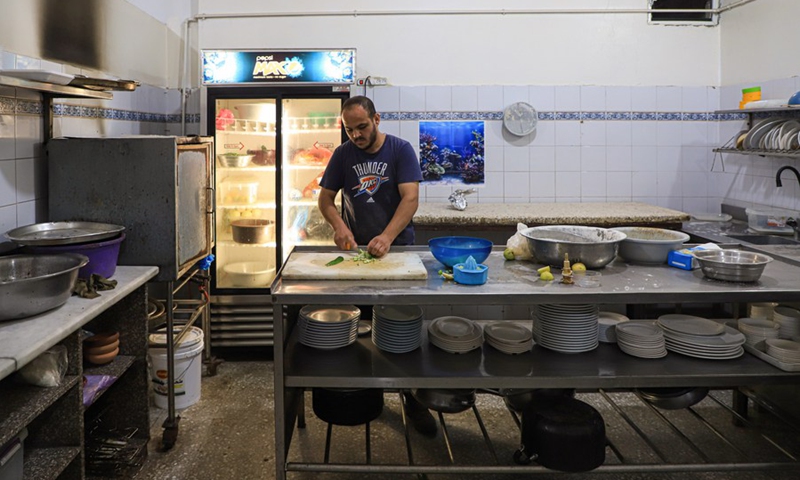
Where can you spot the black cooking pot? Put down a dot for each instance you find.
(673, 398)
(446, 400)
(517, 399)
(347, 406)
(568, 435)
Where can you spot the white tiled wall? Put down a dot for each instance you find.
(23, 168)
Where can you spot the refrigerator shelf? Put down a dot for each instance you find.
(231, 243)
(265, 205)
(250, 127)
(298, 131)
(246, 169)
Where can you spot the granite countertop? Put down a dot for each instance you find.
(23, 340)
(532, 214)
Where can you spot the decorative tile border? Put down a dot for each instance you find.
(572, 116)
(11, 106)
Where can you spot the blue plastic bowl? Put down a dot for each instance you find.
(453, 250)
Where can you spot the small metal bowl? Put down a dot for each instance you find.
(593, 246)
(732, 265)
(253, 230)
(234, 160)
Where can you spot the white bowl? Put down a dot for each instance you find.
(649, 246)
(250, 274)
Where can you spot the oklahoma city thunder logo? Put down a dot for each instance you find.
(370, 177)
(369, 184)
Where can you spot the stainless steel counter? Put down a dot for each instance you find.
(362, 365)
(517, 283)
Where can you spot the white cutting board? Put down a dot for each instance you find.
(392, 266)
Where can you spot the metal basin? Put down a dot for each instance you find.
(445, 400)
(593, 246)
(765, 239)
(32, 284)
(732, 265)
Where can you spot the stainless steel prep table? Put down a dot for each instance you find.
(362, 365)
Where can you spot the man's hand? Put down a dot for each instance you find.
(344, 239)
(379, 246)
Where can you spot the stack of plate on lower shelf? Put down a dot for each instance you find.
(757, 329)
(455, 334)
(701, 338)
(762, 309)
(566, 328)
(508, 337)
(607, 321)
(641, 339)
(789, 319)
(786, 351)
(328, 327)
(397, 328)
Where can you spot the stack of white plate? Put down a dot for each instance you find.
(328, 326)
(789, 319)
(757, 329)
(508, 337)
(701, 338)
(397, 328)
(455, 334)
(784, 350)
(762, 309)
(607, 322)
(641, 339)
(566, 328)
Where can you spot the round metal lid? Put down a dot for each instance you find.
(398, 313)
(330, 313)
(63, 233)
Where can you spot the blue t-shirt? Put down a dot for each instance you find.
(369, 185)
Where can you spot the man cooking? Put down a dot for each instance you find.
(379, 177)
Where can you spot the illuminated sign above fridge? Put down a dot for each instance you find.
(232, 67)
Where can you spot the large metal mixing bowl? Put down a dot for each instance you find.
(593, 246)
(732, 265)
(32, 284)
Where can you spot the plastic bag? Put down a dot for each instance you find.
(46, 370)
(519, 244)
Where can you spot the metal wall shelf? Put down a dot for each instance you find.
(763, 153)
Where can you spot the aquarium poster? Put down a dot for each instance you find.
(451, 153)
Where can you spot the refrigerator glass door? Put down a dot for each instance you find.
(246, 242)
(311, 131)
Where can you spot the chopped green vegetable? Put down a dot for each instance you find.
(364, 257)
(335, 261)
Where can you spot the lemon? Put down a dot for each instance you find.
(578, 267)
(508, 254)
(543, 269)
(546, 276)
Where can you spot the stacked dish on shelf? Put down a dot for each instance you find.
(786, 351)
(328, 327)
(771, 133)
(607, 322)
(508, 337)
(641, 339)
(455, 334)
(757, 330)
(701, 338)
(762, 309)
(789, 320)
(397, 328)
(566, 328)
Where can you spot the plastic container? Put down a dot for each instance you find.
(768, 220)
(11, 457)
(239, 191)
(188, 367)
(102, 255)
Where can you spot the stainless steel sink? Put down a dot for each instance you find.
(765, 239)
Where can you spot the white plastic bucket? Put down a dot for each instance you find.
(188, 368)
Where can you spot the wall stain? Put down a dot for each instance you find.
(71, 31)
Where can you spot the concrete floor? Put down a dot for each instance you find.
(229, 433)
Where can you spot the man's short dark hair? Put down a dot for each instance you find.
(362, 101)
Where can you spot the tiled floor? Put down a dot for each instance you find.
(229, 435)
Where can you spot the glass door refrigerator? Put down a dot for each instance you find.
(272, 144)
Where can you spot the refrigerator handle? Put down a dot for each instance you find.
(212, 194)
